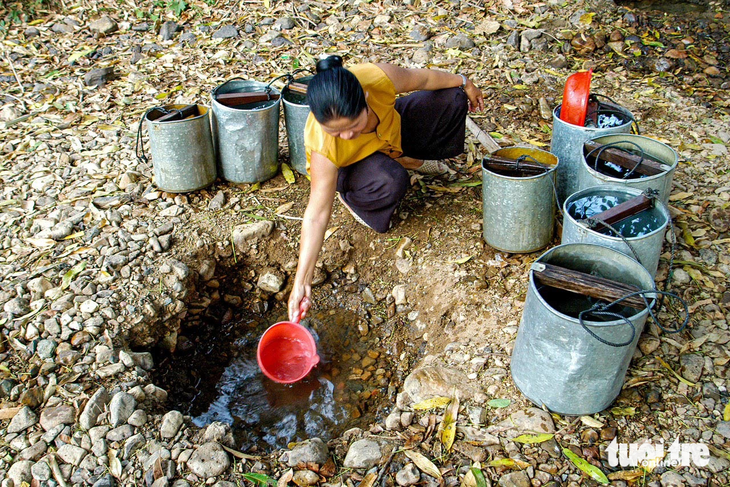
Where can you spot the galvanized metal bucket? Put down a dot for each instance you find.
(567, 144)
(587, 176)
(555, 361)
(519, 212)
(651, 224)
(182, 150)
(247, 137)
(296, 112)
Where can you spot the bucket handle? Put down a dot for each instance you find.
(603, 147)
(634, 123)
(139, 145)
(599, 309)
(594, 223)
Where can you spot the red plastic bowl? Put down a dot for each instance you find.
(287, 352)
(575, 98)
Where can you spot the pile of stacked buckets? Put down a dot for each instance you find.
(561, 360)
(239, 143)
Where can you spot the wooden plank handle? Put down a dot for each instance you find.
(624, 210)
(483, 137)
(625, 159)
(506, 164)
(298, 87)
(237, 99)
(183, 113)
(586, 284)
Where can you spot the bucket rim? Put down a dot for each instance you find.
(636, 181)
(254, 83)
(658, 205)
(596, 324)
(553, 167)
(310, 340)
(560, 121)
(203, 111)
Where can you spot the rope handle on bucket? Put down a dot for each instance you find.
(618, 145)
(267, 89)
(594, 223)
(626, 113)
(599, 309)
(139, 145)
(288, 76)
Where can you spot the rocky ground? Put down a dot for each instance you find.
(103, 273)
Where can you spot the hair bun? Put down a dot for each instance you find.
(330, 62)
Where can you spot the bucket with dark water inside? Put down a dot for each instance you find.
(296, 112)
(247, 136)
(640, 236)
(567, 144)
(519, 208)
(557, 362)
(181, 149)
(595, 172)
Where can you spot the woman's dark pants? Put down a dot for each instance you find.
(433, 125)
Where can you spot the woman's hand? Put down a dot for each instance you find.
(476, 99)
(300, 301)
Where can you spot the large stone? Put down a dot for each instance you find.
(408, 475)
(723, 429)
(245, 235)
(21, 472)
(99, 76)
(121, 408)
(171, 423)
(692, 365)
(24, 419)
(104, 25)
(41, 471)
(168, 30)
(514, 479)
(532, 420)
(310, 451)
(226, 32)
(672, 479)
(209, 460)
(120, 433)
(428, 382)
(71, 454)
(365, 453)
(52, 417)
(93, 408)
(270, 282)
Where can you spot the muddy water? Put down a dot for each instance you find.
(638, 225)
(220, 381)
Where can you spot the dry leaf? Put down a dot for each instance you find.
(115, 466)
(509, 463)
(530, 439)
(592, 422)
(285, 478)
(287, 173)
(433, 403)
(448, 434)
(424, 464)
(284, 208)
(591, 470)
(368, 480)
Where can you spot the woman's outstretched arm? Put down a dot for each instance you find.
(314, 225)
(406, 80)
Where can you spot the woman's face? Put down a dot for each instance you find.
(347, 128)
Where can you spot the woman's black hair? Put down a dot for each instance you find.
(334, 92)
